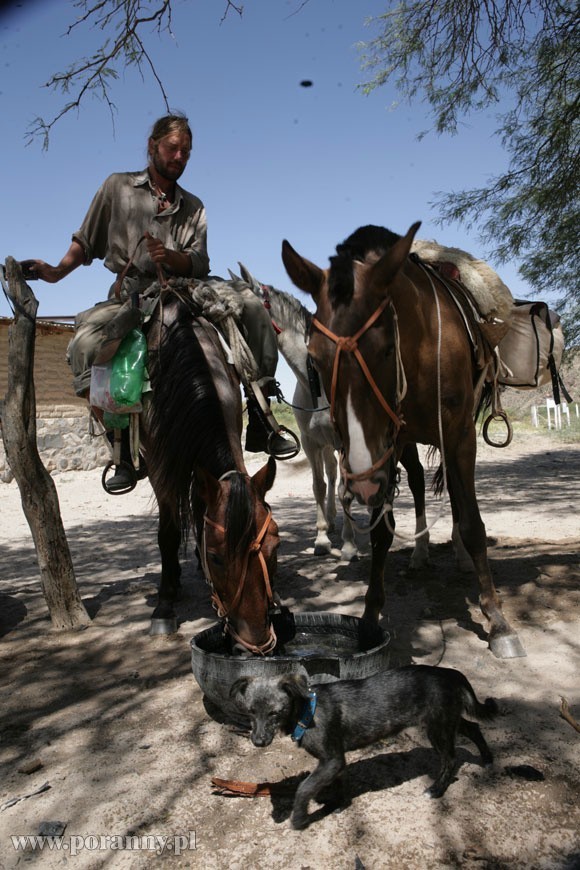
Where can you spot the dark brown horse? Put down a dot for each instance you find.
(192, 443)
(396, 360)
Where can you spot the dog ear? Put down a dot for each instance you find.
(295, 685)
(238, 689)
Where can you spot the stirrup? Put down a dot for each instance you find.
(132, 475)
(270, 423)
(281, 457)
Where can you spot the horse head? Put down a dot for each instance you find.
(238, 540)
(354, 343)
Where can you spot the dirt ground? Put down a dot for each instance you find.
(126, 747)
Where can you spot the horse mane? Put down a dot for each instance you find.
(186, 427)
(364, 241)
(240, 519)
(291, 310)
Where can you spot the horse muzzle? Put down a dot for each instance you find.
(246, 642)
(370, 492)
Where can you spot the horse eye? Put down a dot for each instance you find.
(217, 559)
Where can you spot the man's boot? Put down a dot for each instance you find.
(124, 477)
(264, 435)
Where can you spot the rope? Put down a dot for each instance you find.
(221, 312)
(428, 528)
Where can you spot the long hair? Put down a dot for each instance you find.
(170, 124)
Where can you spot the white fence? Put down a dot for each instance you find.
(555, 414)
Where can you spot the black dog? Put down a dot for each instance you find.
(350, 714)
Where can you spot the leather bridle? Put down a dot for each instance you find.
(254, 549)
(349, 344)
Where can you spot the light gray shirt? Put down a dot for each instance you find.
(124, 208)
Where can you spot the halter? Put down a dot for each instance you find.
(255, 548)
(349, 344)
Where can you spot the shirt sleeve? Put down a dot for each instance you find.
(196, 246)
(94, 232)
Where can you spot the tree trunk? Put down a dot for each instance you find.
(37, 489)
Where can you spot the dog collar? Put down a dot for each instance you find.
(306, 718)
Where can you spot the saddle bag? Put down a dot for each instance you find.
(531, 352)
(116, 386)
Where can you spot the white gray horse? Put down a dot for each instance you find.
(317, 434)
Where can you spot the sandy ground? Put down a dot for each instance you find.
(113, 722)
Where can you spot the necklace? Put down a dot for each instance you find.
(161, 197)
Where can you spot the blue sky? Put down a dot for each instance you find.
(271, 159)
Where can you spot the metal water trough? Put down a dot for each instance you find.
(325, 647)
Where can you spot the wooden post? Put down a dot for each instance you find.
(37, 489)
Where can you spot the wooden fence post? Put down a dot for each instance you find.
(37, 489)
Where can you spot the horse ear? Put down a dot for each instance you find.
(207, 486)
(389, 265)
(304, 274)
(247, 275)
(263, 479)
(233, 276)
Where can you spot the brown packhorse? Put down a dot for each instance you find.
(192, 443)
(398, 365)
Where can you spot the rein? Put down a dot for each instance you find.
(349, 344)
(254, 549)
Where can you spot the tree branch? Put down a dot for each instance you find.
(129, 19)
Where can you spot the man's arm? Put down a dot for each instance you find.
(74, 257)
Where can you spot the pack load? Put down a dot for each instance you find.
(531, 352)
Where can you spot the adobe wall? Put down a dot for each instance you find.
(62, 419)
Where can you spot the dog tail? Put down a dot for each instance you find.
(474, 708)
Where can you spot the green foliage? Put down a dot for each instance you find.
(462, 56)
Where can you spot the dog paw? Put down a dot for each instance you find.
(298, 822)
(434, 791)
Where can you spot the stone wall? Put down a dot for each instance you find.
(62, 419)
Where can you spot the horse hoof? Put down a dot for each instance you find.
(507, 646)
(322, 549)
(163, 626)
(349, 554)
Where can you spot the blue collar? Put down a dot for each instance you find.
(306, 718)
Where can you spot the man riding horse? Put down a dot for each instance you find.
(147, 227)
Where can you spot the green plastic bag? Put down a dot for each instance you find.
(115, 421)
(128, 369)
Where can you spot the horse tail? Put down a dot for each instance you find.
(240, 520)
(485, 400)
(437, 483)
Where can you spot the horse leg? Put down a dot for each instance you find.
(381, 540)
(331, 469)
(163, 618)
(349, 550)
(503, 640)
(322, 545)
(463, 560)
(416, 480)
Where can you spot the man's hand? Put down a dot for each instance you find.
(177, 262)
(156, 249)
(32, 269)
